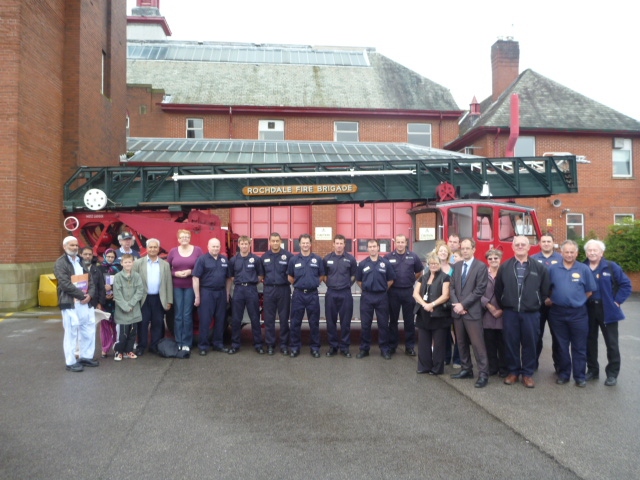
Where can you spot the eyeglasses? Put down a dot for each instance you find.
(434, 264)
(493, 259)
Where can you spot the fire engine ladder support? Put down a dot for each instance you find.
(155, 187)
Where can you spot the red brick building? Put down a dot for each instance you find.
(62, 105)
(288, 92)
(554, 118)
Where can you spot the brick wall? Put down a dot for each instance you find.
(53, 116)
(155, 123)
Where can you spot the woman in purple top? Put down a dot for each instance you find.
(492, 319)
(182, 260)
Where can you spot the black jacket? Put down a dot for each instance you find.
(534, 292)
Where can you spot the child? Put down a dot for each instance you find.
(127, 293)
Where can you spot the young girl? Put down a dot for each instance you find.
(108, 333)
(127, 292)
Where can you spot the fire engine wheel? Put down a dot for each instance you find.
(71, 224)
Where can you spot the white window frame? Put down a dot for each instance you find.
(271, 130)
(622, 150)
(419, 134)
(197, 129)
(346, 135)
(525, 146)
(574, 223)
(619, 218)
(128, 126)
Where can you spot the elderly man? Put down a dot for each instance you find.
(468, 283)
(75, 291)
(246, 272)
(408, 269)
(126, 242)
(158, 296)
(548, 257)
(571, 286)
(603, 307)
(211, 279)
(522, 285)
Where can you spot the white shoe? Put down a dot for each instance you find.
(186, 349)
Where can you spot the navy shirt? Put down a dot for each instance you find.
(213, 273)
(275, 267)
(339, 270)
(375, 275)
(306, 271)
(554, 259)
(569, 286)
(405, 266)
(246, 269)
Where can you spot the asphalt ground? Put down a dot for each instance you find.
(255, 416)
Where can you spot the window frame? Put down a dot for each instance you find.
(627, 147)
(419, 134)
(278, 123)
(624, 216)
(574, 224)
(194, 128)
(337, 133)
(531, 153)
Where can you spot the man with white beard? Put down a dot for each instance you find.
(75, 291)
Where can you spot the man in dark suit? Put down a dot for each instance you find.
(468, 284)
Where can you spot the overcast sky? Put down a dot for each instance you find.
(591, 48)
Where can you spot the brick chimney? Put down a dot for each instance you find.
(505, 65)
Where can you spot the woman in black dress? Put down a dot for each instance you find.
(433, 317)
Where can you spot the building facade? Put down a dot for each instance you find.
(62, 105)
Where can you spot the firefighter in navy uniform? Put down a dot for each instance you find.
(276, 294)
(374, 275)
(305, 272)
(340, 268)
(408, 269)
(245, 269)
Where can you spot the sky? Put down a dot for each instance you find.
(590, 48)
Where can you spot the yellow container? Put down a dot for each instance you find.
(48, 291)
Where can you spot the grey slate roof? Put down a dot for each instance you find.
(545, 104)
(379, 84)
(210, 151)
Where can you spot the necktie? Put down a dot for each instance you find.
(464, 274)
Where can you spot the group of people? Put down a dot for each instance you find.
(498, 309)
(501, 310)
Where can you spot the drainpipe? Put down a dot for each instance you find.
(514, 129)
(495, 143)
(230, 123)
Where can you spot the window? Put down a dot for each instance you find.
(485, 223)
(419, 134)
(623, 218)
(260, 244)
(195, 128)
(575, 226)
(525, 147)
(345, 132)
(271, 129)
(385, 245)
(460, 220)
(128, 126)
(622, 165)
(102, 78)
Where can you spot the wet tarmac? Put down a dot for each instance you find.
(257, 416)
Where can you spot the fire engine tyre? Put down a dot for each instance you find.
(71, 224)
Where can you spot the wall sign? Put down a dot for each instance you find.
(300, 189)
